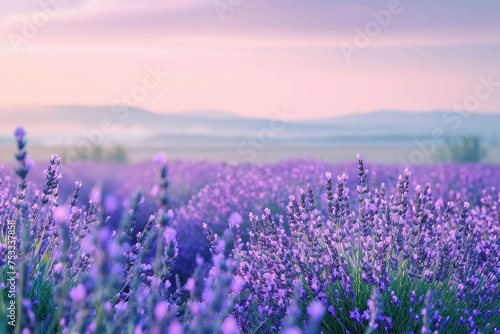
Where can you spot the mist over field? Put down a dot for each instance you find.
(381, 136)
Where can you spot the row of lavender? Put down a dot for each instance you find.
(390, 257)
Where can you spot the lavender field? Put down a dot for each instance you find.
(299, 246)
(249, 167)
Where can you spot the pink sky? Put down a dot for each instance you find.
(263, 55)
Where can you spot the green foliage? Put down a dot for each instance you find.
(118, 154)
(97, 154)
(466, 149)
(100, 154)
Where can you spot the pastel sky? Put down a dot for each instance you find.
(256, 56)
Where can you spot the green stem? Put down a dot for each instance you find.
(159, 249)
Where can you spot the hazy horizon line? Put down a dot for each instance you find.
(235, 113)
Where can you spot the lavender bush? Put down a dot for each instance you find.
(393, 265)
(180, 252)
(64, 269)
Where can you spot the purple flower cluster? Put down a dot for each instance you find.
(69, 270)
(389, 247)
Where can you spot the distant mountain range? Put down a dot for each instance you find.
(62, 124)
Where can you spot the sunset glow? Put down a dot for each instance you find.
(258, 56)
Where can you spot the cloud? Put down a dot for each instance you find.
(270, 21)
(304, 17)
